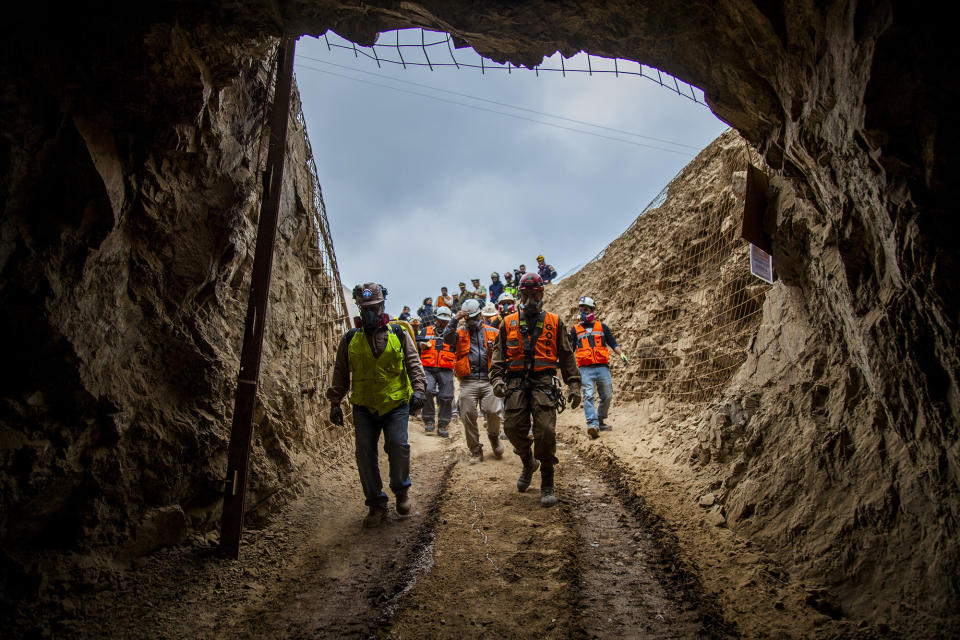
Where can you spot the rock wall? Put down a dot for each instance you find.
(803, 456)
(110, 272)
(127, 242)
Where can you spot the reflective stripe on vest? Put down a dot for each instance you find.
(439, 354)
(546, 350)
(379, 384)
(463, 367)
(591, 347)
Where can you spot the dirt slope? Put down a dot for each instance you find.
(769, 414)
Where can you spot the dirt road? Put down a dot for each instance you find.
(475, 559)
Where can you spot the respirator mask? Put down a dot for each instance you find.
(473, 323)
(586, 316)
(532, 307)
(370, 317)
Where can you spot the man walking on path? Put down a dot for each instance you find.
(546, 271)
(592, 341)
(438, 361)
(379, 364)
(496, 287)
(474, 348)
(531, 346)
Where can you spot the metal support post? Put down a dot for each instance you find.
(241, 435)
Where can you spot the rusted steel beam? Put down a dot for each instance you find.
(241, 435)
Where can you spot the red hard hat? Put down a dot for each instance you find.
(531, 282)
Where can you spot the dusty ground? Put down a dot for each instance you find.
(627, 552)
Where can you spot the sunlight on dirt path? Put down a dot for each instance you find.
(506, 567)
(343, 578)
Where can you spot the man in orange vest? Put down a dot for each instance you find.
(531, 346)
(593, 342)
(444, 299)
(474, 348)
(438, 360)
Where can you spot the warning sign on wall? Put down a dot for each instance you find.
(761, 263)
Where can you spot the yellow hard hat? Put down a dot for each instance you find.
(540, 257)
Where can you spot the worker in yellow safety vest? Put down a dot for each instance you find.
(378, 363)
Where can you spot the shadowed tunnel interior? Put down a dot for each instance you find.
(128, 156)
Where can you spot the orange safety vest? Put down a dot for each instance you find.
(546, 352)
(463, 349)
(444, 302)
(433, 356)
(591, 349)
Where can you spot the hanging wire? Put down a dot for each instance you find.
(383, 52)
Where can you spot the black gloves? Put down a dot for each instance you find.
(574, 398)
(336, 414)
(416, 403)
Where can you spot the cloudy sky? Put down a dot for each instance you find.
(433, 177)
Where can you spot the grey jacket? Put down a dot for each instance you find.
(478, 349)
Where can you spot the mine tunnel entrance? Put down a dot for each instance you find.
(818, 497)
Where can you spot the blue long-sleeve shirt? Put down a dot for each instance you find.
(496, 289)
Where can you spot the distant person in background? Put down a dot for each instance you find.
(405, 314)
(491, 317)
(444, 299)
(592, 342)
(509, 286)
(438, 360)
(426, 312)
(378, 364)
(462, 297)
(507, 304)
(496, 287)
(474, 348)
(546, 271)
(415, 324)
(479, 291)
(517, 274)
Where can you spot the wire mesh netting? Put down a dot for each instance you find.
(325, 316)
(676, 286)
(407, 48)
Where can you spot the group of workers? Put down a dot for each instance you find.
(507, 367)
(489, 297)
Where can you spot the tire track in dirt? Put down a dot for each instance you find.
(344, 582)
(506, 567)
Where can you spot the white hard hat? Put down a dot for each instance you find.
(587, 301)
(490, 310)
(443, 313)
(472, 307)
(414, 320)
(506, 297)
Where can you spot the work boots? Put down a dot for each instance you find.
(442, 431)
(530, 464)
(496, 446)
(403, 503)
(375, 517)
(547, 497)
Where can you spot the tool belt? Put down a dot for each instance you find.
(554, 391)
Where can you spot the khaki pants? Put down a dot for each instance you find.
(522, 405)
(474, 393)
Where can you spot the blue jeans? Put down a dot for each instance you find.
(367, 426)
(596, 376)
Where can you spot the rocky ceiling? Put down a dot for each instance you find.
(848, 101)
